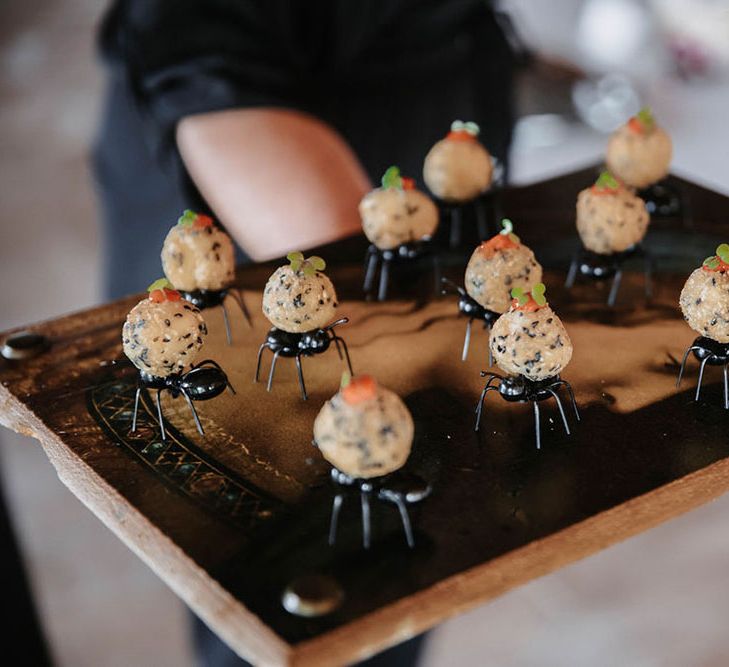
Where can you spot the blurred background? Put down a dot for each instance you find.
(658, 599)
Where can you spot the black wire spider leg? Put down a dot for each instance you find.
(300, 372)
(238, 298)
(371, 269)
(617, 279)
(456, 223)
(537, 427)
(338, 340)
(572, 273)
(481, 221)
(272, 371)
(561, 410)
(226, 321)
(366, 523)
(194, 413)
(701, 377)
(479, 407)
(491, 354)
(437, 275)
(258, 362)
(467, 340)
(568, 387)
(683, 364)
(336, 508)
(405, 519)
(648, 275)
(384, 279)
(136, 409)
(159, 415)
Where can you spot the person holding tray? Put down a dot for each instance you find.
(276, 117)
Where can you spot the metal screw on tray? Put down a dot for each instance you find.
(312, 595)
(24, 345)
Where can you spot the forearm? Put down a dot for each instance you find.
(278, 180)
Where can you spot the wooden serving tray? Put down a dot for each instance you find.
(230, 519)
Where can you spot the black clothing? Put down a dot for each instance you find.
(389, 75)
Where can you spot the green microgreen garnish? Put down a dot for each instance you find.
(187, 219)
(645, 116)
(308, 266)
(459, 126)
(538, 294)
(721, 257)
(723, 252)
(161, 283)
(520, 295)
(392, 178)
(607, 181)
(508, 230)
(346, 379)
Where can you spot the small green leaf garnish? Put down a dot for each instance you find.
(712, 263)
(296, 259)
(723, 252)
(645, 116)
(312, 265)
(459, 126)
(309, 266)
(538, 294)
(519, 294)
(187, 219)
(161, 283)
(508, 230)
(607, 181)
(346, 379)
(392, 178)
(318, 263)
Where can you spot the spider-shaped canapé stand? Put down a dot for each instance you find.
(486, 207)
(202, 382)
(666, 200)
(593, 266)
(398, 488)
(708, 351)
(203, 299)
(473, 311)
(519, 389)
(380, 260)
(297, 345)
